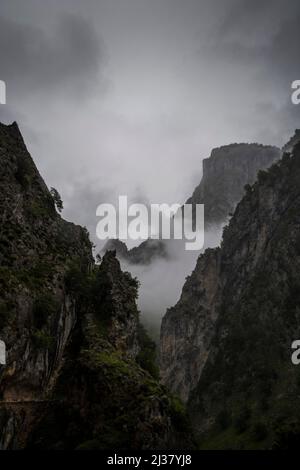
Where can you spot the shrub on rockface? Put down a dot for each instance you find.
(45, 306)
(147, 357)
(5, 313)
(43, 340)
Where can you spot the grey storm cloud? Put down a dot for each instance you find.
(179, 78)
(284, 52)
(33, 59)
(186, 76)
(261, 39)
(263, 33)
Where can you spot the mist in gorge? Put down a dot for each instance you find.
(161, 280)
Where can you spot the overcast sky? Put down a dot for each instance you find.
(128, 96)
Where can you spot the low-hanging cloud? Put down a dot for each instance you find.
(65, 59)
(161, 281)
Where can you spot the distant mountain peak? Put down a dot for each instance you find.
(225, 173)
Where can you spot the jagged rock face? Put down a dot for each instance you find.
(36, 313)
(117, 292)
(225, 173)
(103, 398)
(247, 391)
(118, 246)
(77, 373)
(187, 328)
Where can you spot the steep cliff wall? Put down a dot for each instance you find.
(225, 173)
(187, 328)
(103, 396)
(247, 387)
(36, 244)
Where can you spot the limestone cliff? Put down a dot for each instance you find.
(187, 328)
(225, 173)
(230, 335)
(105, 395)
(36, 244)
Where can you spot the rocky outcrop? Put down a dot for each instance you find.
(145, 253)
(36, 244)
(79, 372)
(225, 173)
(292, 142)
(187, 328)
(236, 371)
(117, 293)
(102, 397)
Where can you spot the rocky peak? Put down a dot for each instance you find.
(114, 244)
(225, 173)
(117, 292)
